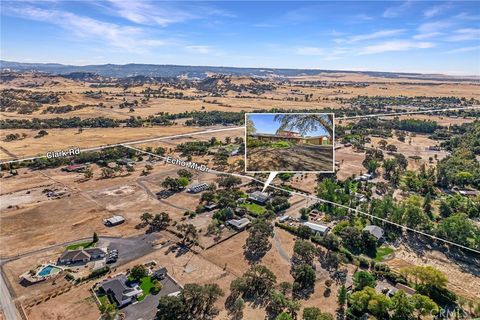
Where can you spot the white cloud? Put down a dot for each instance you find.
(465, 34)
(464, 49)
(435, 10)
(142, 12)
(395, 45)
(81, 27)
(395, 11)
(435, 26)
(370, 36)
(427, 35)
(161, 12)
(200, 49)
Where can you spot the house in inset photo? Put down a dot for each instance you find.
(289, 142)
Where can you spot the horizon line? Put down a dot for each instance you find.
(250, 67)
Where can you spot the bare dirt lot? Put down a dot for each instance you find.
(296, 158)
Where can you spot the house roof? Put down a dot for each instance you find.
(115, 219)
(95, 251)
(258, 196)
(375, 231)
(240, 223)
(117, 288)
(405, 288)
(75, 255)
(316, 227)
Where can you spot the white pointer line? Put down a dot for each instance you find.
(133, 142)
(329, 202)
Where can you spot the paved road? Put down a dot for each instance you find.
(6, 301)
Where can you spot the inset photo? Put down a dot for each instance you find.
(289, 142)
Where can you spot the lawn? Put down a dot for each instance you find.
(83, 245)
(382, 253)
(254, 208)
(146, 285)
(103, 298)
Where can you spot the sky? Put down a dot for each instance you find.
(405, 36)
(265, 123)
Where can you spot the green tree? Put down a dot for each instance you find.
(342, 296)
(188, 233)
(160, 221)
(363, 279)
(108, 311)
(402, 306)
(304, 252)
(424, 305)
(95, 237)
(259, 280)
(284, 316)
(138, 272)
(146, 217)
(258, 241)
(304, 276)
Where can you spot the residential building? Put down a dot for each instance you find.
(317, 228)
(315, 140)
(82, 256)
(258, 197)
(375, 231)
(119, 292)
(409, 291)
(239, 224)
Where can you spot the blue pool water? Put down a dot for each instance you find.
(47, 270)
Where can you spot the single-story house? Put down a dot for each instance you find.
(210, 206)
(317, 228)
(82, 255)
(375, 231)
(258, 197)
(406, 289)
(119, 292)
(113, 221)
(196, 188)
(316, 140)
(239, 224)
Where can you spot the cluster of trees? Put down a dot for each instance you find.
(215, 117)
(194, 302)
(176, 184)
(258, 241)
(400, 306)
(157, 222)
(302, 267)
(65, 109)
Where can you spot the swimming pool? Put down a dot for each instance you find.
(48, 270)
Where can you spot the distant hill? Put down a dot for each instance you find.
(155, 70)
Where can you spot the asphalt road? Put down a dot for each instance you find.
(6, 301)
